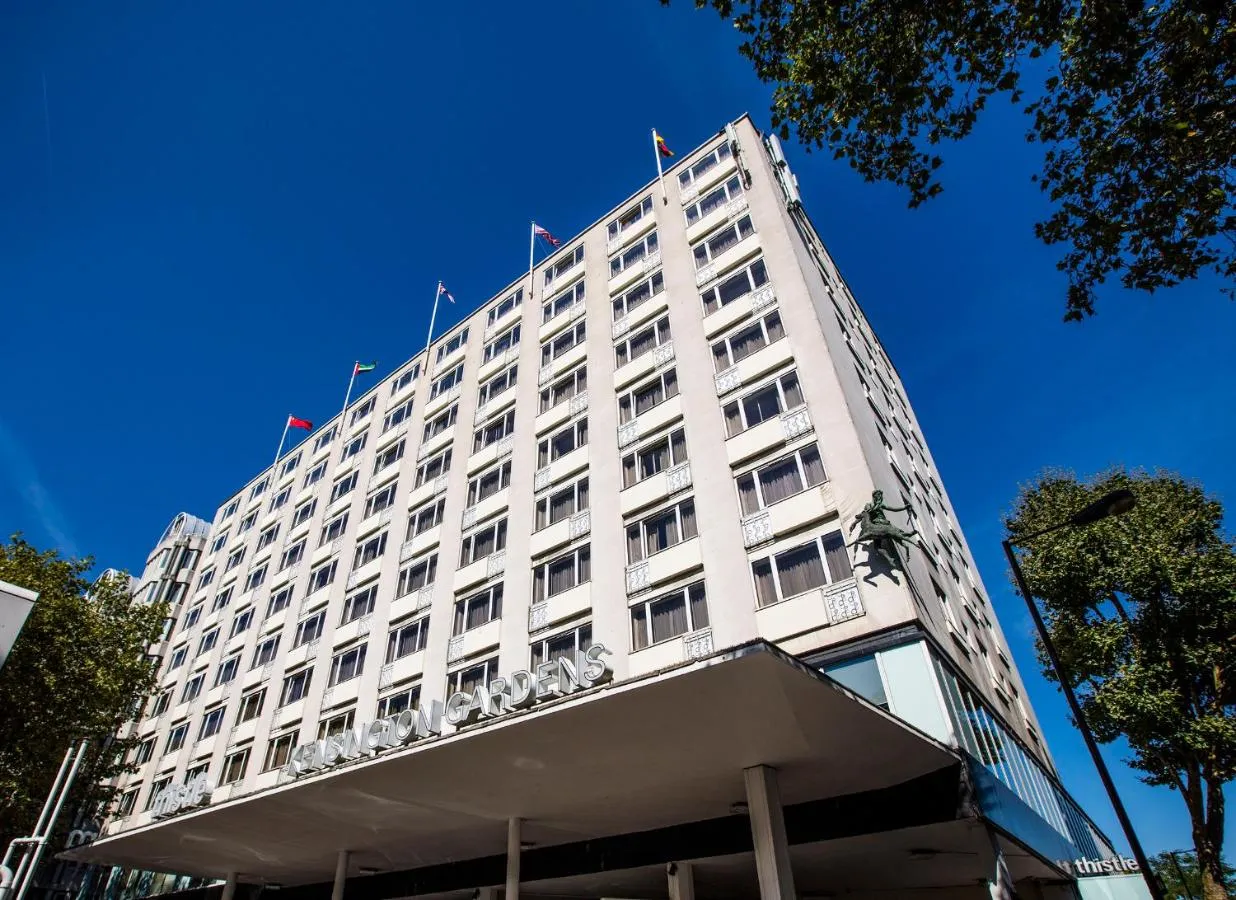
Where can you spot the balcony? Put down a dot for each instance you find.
(488, 410)
(243, 731)
(435, 444)
(557, 415)
(487, 456)
(325, 551)
(413, 602)
(754, 367)
(789, 515)
(709, 180)
(419, 543)
(340, 694)
(373, 523)
(668, 564)
(474, 641)
(561, 321)
(768, 434)
(497, 363)
(646, 311)
(401, 670)
(426, 491)
(563, 363)
(560, 469)
(632, 273)
(353, 630)
(274, 622)
(265, 780)
(254, 677)
(818, 608)
(302, 654)
(636, 229)
(692, 645)
(651, 421)
(436, 404)
(285, 715)
(655, 488)
(490, 567)
(721, 265)
(490, 506)
(726, 212)
(561, 533)
(216, 694)
(560, 607)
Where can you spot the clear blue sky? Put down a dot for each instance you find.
(239, 199)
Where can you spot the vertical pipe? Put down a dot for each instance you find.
(229, 887)
(341, 875)
(772, 850)
(514, 848)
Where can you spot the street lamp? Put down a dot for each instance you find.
(1113, 504)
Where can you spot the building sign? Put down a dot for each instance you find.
(178, 797)
(1086, 866)
(520, 690)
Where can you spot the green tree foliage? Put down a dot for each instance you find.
(1133, 102)
(77, 670)
(1142, 608)
(1181, 878)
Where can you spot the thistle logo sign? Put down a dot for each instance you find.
(178, 797)
(522, 689)
(1084, 866)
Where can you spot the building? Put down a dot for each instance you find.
(15, 605)
(550, 608)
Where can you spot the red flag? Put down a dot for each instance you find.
(541, 232)
(294, 422)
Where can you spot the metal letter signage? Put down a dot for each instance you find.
(178, 797)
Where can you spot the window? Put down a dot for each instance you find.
(508, 340)
(489, 434)
(161, 703)
(488, 483)
(563, 442)
(347, 665)
(468, 680)
(295, 686)
(714, 199)
(649, 394)
(505, 306)
(668, 616)
(208, 641)
(821, 561)
(721, 240)
(629, 218)
(570, 385)
(419, 573)
(309, 629)
(567, 645)
(234, 765)
(251, 705)
(453, 343)
(368, 551)
(564, 263)
(406, 377)
(355, 446)
(314, 475)
(228, 670)
(397, 416)
(235, 558)
(397, 703)
(564, 301)
(336, 725)
(498, 385)
(738, 285)
(191, 617)
(424, 518)
(481, 543)
(643, 341)
(637, 296)
(290, 464)
(384, 498)
(389, 456)
(279, 751)
(255, 577)
(706, 164)
(280, 499)
(241, 622)
(265, 651)
(324, 438)
(245, 524)
(559, 505)
(230, 510)
(661, 531)
(211, 723)
(128, 800)
(638, 251)
(322, 576)
(780, 479)
(220, 542)
(279, 600)
(222, 598)
(360, 412)
(178, 658)
(738, 346)
(655, 457)
(569, 339)
(193, 688)
(267, 537)
(157, 788)
(434, 468)
(561, 574)
(292, 555)
(475, 611)
(144, 752)
(447, 382)
(334, 529)
(440, 423)
(406, 639)
(258, 489)
(206, 578)
(763, 403)
(343, 486)
(862, 676)
(176, 738)
(359, 604)
(303, 513)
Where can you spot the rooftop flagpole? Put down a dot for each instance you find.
(287, 423)
(432, 316)
(656, 152)
(347, 397)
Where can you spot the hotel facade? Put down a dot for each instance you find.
(567, 605)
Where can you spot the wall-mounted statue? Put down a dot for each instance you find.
(882, 535)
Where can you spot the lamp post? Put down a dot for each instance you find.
(1113, 504)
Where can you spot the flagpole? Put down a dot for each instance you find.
(531, 250)
(286, 425)
(656, 152)
(432, 316)
(347, 397)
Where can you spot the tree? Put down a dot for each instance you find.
(1142, 609)
(77, 670)
(1132, 101)
(1180, 876)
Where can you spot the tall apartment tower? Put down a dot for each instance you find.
(570, 601)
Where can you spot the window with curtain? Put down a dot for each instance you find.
(394, 704)
(731, 350)
(508, 340)
(564, 264)
(633, 254)
(821, 561)
(562, 302)
(568, 340)
(706, 164)
(561, 574)
(469, 678)
(668, 616)
(417, 574)
(643, 341)
(453, 343)
(573, 383)
(562, 503)
(661, 530)
(333, 529)
(489, 482)
(424, 518)
(724, 238)
(656, 456)
(359, 604)
(447, 381)
(782, 478)
(498, 385)
(477, 610)
(567, 645)
(735, 286)
(635, 297)
(561, 443)
(490, 434)
(714, 199)
(629, 218)
(406, 639)
(481, 543)
(434, 467)
(368, 551)
(506, 305)
(440, 423)
(347, 665)
(763, 403)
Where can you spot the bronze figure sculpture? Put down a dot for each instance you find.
(875, 528)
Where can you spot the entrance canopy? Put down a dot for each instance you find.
(627, 757)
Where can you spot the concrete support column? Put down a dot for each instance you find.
(514, 848)
(229, 887)
(487, 893)
(772, 852)
(681, 881)
(341, 875)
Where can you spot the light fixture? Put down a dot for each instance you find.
(526, 845)
(368, 870)
(739, 808)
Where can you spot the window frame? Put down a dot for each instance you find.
(542, 572)
(546, 446)
(821, 542)
(642, 613)
(709, 243)
(491, 594)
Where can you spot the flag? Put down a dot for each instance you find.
(662, 148)
(363, 367)
(443, 292)
(294, 422)
(541, 232)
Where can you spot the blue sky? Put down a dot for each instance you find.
(222, 205)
